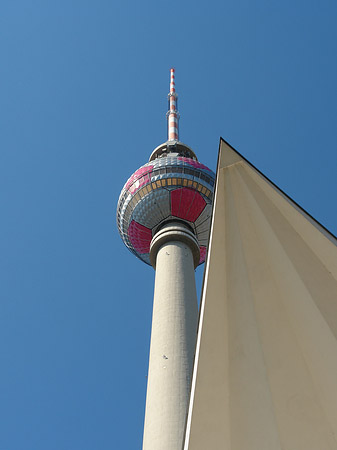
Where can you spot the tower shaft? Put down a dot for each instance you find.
(175, 253)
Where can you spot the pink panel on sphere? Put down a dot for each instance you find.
(193, 163)
(196, 208)
(175, 202)
(180, 204)
(137, 174)
(202, 254)
(139, 183)
(140, 237)
(187, 204)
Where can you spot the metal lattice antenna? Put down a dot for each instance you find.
(173, 114)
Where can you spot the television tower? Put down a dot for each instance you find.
(163, 217)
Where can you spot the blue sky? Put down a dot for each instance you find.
(83, 88)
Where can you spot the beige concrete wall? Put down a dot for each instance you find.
(174, 323)
(266, 364)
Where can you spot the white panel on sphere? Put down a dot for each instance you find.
(202, 221)
(265, 374)
(155, 208)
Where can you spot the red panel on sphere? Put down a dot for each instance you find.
(138, 174)
(193, 163)
(140, 237)
(187, 204)
(196, 208)
(202, 254)
(140, 183)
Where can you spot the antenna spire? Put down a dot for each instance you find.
(173, 114)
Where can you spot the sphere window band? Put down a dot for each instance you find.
(172, 170)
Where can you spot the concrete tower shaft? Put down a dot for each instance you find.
(175, 254)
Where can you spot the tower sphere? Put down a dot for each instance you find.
(173, 185)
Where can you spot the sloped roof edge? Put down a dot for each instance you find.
(233, 156)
